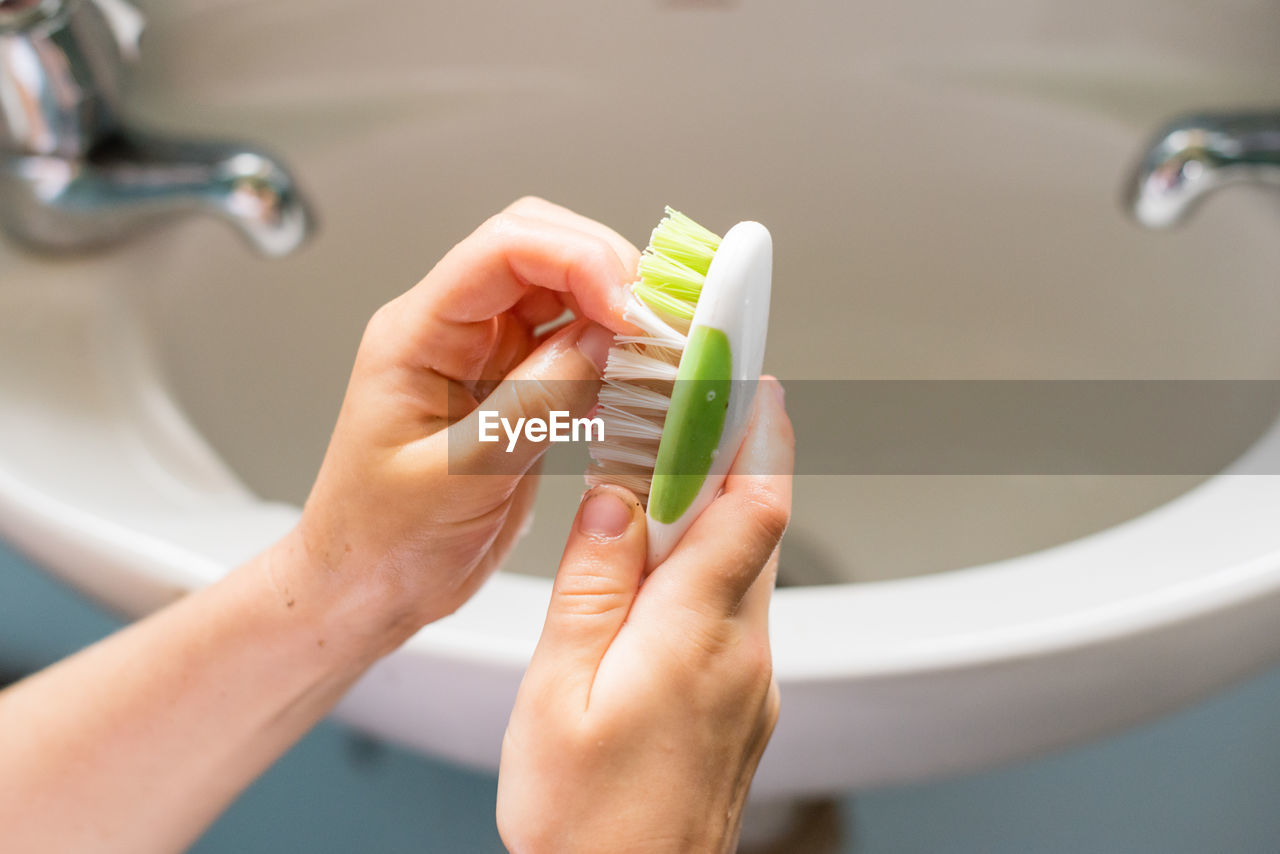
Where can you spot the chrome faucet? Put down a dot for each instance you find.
(1197, 154)
(73, 176)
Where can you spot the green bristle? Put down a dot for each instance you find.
(674, 266)
(672, 277)
(681, 239)
(662, 302)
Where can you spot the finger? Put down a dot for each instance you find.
(720, 557)
(519, 515)
(561, 376)
(444, 323)
(539, 307)
(754, 610)
(537, 208)
(594, 588)
(512, 343)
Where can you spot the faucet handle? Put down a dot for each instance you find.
(73, 175)
(61, 76)
(125, 20)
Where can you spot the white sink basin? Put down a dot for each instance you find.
(943, 207)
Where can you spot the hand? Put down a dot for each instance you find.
(649, 701)
(410, 513)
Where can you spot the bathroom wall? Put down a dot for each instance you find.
(1204, 779)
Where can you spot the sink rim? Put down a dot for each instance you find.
(920, 645)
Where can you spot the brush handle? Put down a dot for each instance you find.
(725, 356)
(663, 536)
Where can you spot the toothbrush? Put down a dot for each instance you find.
(677, 397)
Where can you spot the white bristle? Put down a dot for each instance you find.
(656, 331)
(641, 369)
(628, 425)
(626, 454)
(633, 396)
(639, 376)
(657, 346)
(632, 364)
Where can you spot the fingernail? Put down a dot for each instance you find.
(604, 515)
(780, 392)
(594, 342)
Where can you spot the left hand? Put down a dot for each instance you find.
(649, 700)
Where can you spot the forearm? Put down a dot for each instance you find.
(138, 742)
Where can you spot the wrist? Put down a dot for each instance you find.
(350, 612)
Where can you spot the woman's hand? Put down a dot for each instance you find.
(644, 712)
(645, 709)
(136, 743)
(410, 513)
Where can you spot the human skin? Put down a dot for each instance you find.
(138, 742)
(649, 700)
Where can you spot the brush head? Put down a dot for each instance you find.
(677, 397)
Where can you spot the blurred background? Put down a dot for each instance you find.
(944, 184)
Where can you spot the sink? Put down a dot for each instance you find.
(943, 202)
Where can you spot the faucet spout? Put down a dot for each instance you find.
(1197, 154)
(130, 181)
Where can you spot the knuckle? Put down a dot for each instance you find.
(589, 593)
(534, 397)
(767, 513)
(381, 334)
(380, 321)
(772, 709)
(598, 255)
(757, 656)
(764, 526)
(589, 261)
(500, 225)
(527, 204)
(705, 635)
(754, 664)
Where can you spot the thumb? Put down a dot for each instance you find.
(595, 586)
(562, 375)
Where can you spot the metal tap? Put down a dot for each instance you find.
(1197, 154)
(73, 176)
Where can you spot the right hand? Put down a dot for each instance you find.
(410, 512)
(645, 709)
